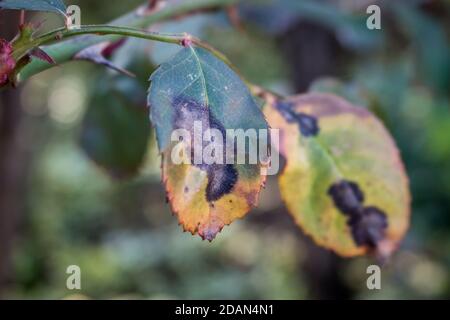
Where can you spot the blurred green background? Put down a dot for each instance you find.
(79, 171)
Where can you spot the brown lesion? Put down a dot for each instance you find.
(307, 124)
(368, 224)
(221, 177)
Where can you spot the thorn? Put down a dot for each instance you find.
(150, 7)
(235, 19)
(42, 55)
(187, 40)
(112, 47)
(59, 36)
(96, 54)
(22, 17)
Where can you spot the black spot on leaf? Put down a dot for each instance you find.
(221, 180)
(368, 224)
(347, 196)
(221, 177)
(369, 227)
(308, 125)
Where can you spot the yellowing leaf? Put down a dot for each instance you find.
(344, 182)
(188, 187)
(193, 88)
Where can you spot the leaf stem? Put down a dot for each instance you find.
(63, 33)
(22, 17)
(182, 39)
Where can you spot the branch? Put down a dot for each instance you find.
(183, 39)
(140, 18)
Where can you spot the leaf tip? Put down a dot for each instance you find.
(210, 231)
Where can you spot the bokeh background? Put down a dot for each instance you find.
(79, 172)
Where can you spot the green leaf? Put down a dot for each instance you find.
(57, 6)
(196, 86)
(115, 131)
(344, 182)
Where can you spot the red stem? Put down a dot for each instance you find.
(22, 17)
(152, 4)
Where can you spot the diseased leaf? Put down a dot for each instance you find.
(57, 6)
(344, 182)
(195, 87)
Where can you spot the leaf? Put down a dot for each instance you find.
(196, 86)
(115, 131)
(41, 54)
(97, 54)
(57, 6)
(344, 182)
